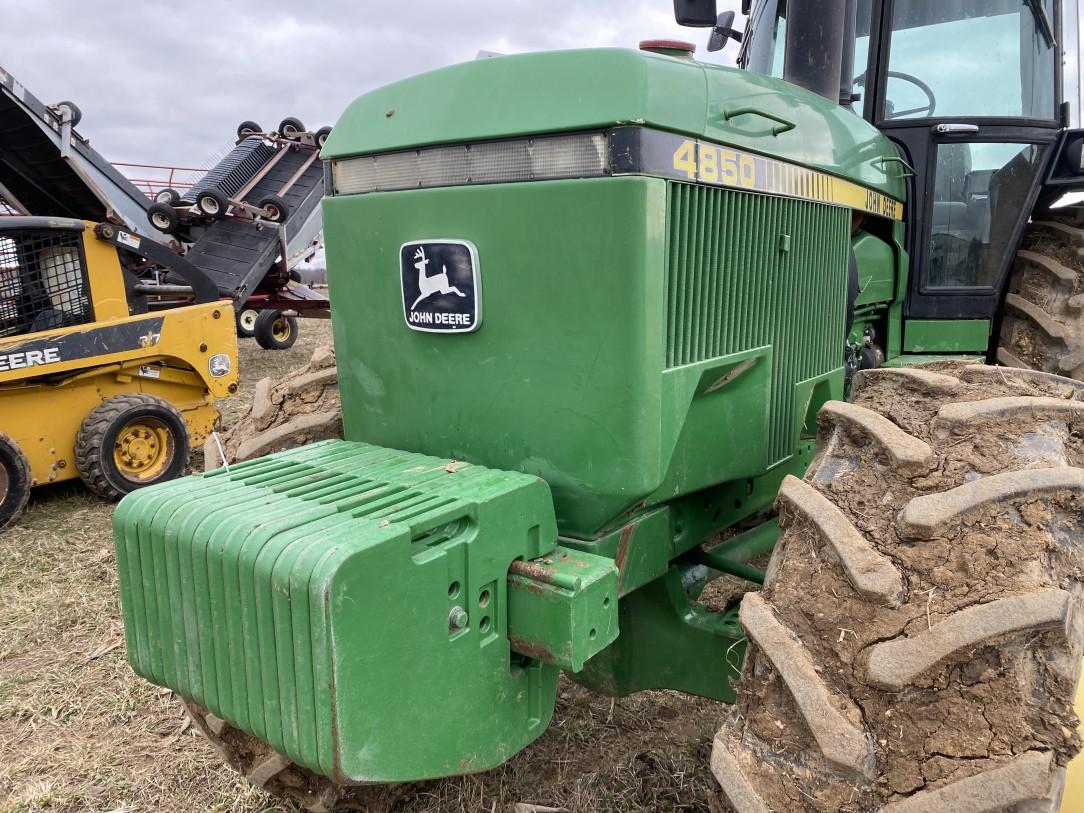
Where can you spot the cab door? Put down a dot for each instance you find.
(967, 89)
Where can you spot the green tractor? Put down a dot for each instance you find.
(612, 323)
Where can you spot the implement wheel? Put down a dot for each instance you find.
(14, 481)
(246, 129)
(212, 203)
(275, 331)
(246, 323)
(129, 442)
(276, 774)
(291, 128)
(164, 217)
(1043, 324)
(168, 197)
(274, 208)
(917, 645)
(76, 115)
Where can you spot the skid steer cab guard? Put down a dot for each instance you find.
(94, 381)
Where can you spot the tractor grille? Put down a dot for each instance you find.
(750, 270)
(43, 285)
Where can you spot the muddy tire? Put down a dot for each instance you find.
(303, 407)
(129, 442)
(1043, 323)
(918, 642)
(276, 774)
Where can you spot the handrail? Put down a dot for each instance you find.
(150, 186)
(908, 170)
(784, 125)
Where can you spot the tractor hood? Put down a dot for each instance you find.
(561, 91)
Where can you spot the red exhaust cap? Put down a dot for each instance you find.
(676, 48)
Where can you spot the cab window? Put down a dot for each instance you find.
(766, 41)
(977, 192)
(966, 58)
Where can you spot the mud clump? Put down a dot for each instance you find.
(301, 408)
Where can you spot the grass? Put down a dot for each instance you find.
(80, 732)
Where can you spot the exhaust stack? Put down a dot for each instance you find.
(814, 51)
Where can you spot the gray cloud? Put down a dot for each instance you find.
(168, 83)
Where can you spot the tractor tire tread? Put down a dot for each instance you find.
(959, 694)
(280, 776)
(1041, 326)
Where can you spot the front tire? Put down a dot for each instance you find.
(129, 442)
(274, 331)
(15, 481)
(917, 644)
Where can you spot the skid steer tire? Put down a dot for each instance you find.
(277, 775)
(1043, 323)
(129, 442)
(15, 480)
(917, 643)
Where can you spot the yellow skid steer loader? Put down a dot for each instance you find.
(102, 375)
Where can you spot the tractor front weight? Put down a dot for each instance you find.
(373, 615)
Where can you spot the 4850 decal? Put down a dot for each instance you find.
(712, 164)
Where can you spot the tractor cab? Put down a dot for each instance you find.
(972, 95)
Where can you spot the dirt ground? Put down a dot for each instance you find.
(80, 732)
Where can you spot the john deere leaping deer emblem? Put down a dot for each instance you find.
(428, 286)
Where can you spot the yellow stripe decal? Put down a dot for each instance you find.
(725, 166)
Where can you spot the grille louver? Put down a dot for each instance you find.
(749, 270)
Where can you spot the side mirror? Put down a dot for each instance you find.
(695, 13)
(723, 31)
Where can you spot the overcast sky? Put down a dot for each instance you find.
(167, 83)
